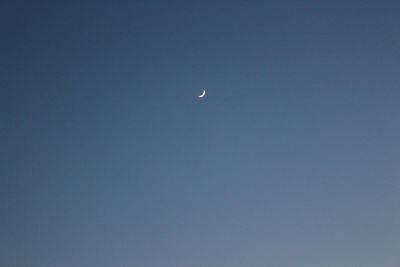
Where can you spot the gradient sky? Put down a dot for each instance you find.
(108, 158)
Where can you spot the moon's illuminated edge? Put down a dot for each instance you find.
(202, 94)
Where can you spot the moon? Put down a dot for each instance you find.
(202, 94)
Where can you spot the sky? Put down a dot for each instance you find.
(108, 158)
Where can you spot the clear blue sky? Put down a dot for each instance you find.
(108, 158)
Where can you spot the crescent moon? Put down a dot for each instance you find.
(202, 94)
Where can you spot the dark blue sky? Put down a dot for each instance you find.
(108, 158)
